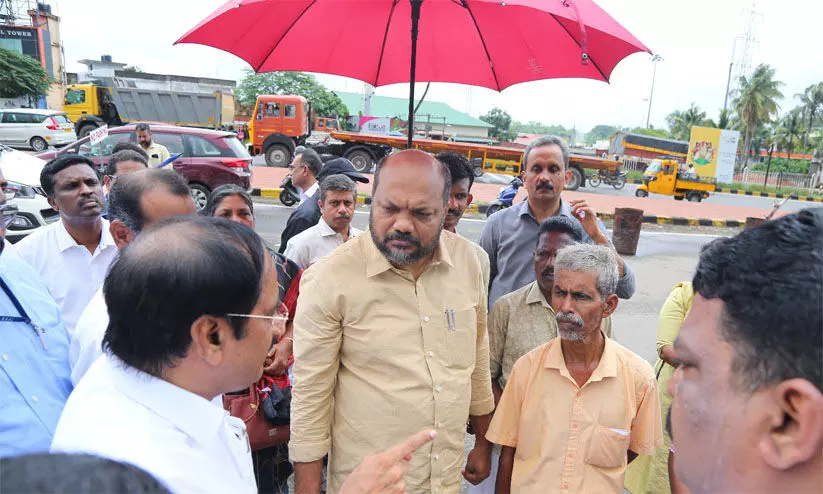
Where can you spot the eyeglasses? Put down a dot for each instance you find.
(277, 321)
(8, 212)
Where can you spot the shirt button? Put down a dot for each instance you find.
(564, 485)
(431, 354)
(5, 357)
(426, 319)
(35, 399)
(437, 389)
(440, 424)
(571, 454)
(436, 490)
(436, 457)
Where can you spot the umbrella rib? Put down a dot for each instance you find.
(383, 46)
(296, 20)
(579, 46)
(482, 40)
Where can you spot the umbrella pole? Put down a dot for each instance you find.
(415, 18)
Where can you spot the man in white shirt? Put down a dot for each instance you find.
(183, 330)
(338, 197)
(136, 201)
(71, 255)
(304, 173)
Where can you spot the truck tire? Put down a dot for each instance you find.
(361, 160)
(576, 181)
(694, 196)
(200, 195)
(85, 130)
(38, 144)
(278, 155)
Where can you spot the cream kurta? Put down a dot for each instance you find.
(378, 344)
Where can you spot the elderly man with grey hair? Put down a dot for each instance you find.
(509, 236)
(338, 198)
(594, 402)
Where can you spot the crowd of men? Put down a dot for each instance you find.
(126, 323)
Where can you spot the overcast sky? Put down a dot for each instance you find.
(694, 37)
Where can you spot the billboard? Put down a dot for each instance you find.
(727, 155)
(381, 125)
(713, 152)
(22, 39)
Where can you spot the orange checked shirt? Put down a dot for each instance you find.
(575, 439)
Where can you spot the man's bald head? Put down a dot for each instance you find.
(422, 162)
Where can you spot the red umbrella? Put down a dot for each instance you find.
(489, 43)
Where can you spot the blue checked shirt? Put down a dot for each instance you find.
(35, 382)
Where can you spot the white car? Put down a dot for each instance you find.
(37, 129)
(22, 172)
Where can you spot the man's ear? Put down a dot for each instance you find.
(107, 182)
(794, 433)
(53, 203)
(121, 234)
(568, 177)
(611, 305)
(208, 338)
(320, 203)
(471, 198)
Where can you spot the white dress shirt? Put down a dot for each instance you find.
(305, 195)
(315, 243)
(71, 272)
(178, 437)
(87, 337)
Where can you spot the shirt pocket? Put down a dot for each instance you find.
(608, 448)
(461, 337)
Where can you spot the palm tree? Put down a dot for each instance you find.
(725, 121)
(812, 102)
(756, 103)
(681, 122)
(790, 129)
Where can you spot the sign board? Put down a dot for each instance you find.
(98, 134)
(381, 125)
(21, 39)
(727, 155)
(713, 152)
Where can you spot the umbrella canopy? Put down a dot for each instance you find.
(488, 43)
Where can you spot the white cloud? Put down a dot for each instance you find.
(695, 38)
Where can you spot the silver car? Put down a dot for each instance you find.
(37, 129)
(22, 172)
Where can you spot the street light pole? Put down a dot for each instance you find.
(655, 59)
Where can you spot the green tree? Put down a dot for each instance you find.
(681, 122)
(812, 101)
(790, 130)
(651, 131)
(132, 68)
(756, 103)
(725, 120)
(600, 133)
(324, 102)
(21, 76)
(501, 122)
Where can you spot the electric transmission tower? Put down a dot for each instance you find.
(743, 53)
(15, 12)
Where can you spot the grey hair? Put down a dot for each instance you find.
(337, 182)
(142, 127)
(589, 258)
(547, 141)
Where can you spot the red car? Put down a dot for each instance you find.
(209, 158)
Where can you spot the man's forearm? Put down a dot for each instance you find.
(307, 477)
(497, 391)
(667, 355)
(504, 471)
(480, 424)
(603, 240)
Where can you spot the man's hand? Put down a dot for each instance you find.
(277, 361)
(587, 217)
(478, 464)
(386, 472)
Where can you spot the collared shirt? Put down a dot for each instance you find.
(378, 343)
(309, 193)
(180, 438)
(157, 154)
(71, 272)
(316, 243)
(87, 337)
(519, 322)
(34, 382)
(510, 239)
(571, 438)
(305, 216)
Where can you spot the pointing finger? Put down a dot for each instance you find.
(409, 446)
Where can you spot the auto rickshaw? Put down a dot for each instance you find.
(663, 177)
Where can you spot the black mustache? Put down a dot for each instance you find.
(545, 185)
(402, 237)
(343, 217)
(548, 271)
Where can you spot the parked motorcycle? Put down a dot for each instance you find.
(616, 178)
(505, 197)
(289, 195)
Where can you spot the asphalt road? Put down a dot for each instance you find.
(663, 259)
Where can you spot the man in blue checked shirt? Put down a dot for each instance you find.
(35, 377)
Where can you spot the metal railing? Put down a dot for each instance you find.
(776, 179)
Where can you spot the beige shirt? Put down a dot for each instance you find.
(571, 438)
(309, 246)
(377, 343)
(484, 264)
(157, 154)
(519, 322)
